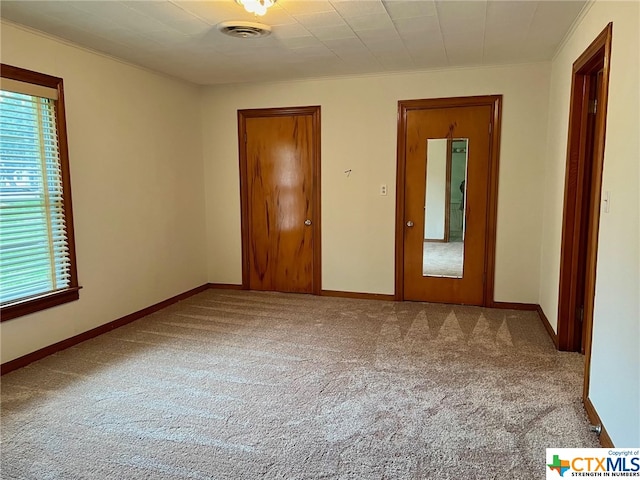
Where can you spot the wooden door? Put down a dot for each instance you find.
(440, 122)
(583, 194)
(279, 168)
(587, 206)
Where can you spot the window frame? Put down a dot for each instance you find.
(26, 305)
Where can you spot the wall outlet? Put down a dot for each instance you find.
(383, 190)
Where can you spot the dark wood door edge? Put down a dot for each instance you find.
(243, 115)
(404, 106)
(94, 332)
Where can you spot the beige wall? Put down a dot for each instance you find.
(359, 134)
(138, 197)
(615, 364)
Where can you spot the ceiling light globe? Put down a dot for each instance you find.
(257, 7)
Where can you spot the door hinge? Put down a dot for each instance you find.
(593, 106)
(580, 313)
(490, 127)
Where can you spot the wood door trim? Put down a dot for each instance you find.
(597, 53)
(243, 115)
(404, 106)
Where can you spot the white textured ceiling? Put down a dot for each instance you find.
(311, 38)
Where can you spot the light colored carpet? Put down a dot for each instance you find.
(244, 385)
(443, 259)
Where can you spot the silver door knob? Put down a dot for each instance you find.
(307, 222)
(409, 223)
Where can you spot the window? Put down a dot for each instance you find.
(37, 252)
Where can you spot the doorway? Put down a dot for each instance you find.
(583, 195)
(280, 198)
(583, 181)
(447, 199)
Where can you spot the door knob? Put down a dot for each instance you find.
(307, 222)
(409, 223)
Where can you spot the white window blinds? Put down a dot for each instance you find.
(34, 252)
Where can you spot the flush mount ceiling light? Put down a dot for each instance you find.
(244, 29)
(257, 7)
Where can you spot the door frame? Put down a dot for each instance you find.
(243, 115)
(597, 54)
(404, 106)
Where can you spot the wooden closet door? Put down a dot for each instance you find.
(279, 153)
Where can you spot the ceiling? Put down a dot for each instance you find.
(310, 38)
